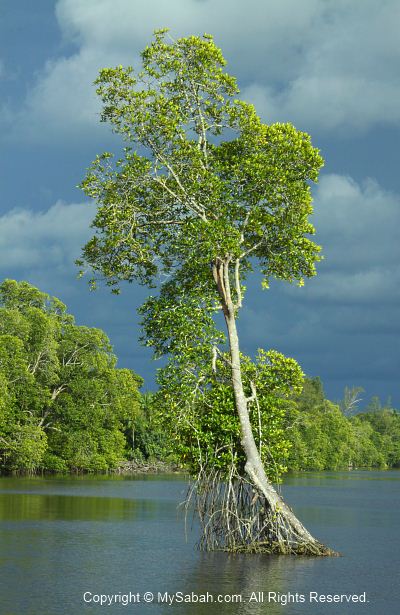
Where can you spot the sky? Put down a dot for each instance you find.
(330, 67)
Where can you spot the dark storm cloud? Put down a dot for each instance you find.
(343, 324)
(330, 67)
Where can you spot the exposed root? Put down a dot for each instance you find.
(235, 517)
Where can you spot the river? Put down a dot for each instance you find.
(66, 541)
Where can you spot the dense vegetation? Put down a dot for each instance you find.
(311, 433)
(63, 403)
(64, 406)
(322, 438)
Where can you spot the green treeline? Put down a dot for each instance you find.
(322, 438)
(65, 406)
(315, 434)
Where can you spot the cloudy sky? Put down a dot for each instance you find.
(331, 67)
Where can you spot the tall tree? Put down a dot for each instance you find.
(204, 193)
(351, 400)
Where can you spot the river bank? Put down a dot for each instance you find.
(125, 468)
(132, 467)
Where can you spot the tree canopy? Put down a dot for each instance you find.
(184, 197)
(63, 402)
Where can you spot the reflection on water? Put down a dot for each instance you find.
(251, 577)
(62, 537)
(24, 507)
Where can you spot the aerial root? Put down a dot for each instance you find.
(236, 518)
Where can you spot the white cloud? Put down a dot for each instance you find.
(357, 226)
(328, 65)
(50, 240)
(346, 75)
(328, 102)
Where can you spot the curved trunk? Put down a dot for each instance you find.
(292, 536)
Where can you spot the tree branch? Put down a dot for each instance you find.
(250, 250)
(216, 351)
(237, 284)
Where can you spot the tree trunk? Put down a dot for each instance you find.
(288, 534)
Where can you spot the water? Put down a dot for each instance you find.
(62, 537)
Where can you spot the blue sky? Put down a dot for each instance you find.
(331, 67)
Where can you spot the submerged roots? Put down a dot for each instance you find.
(235, 517)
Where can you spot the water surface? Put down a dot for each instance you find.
(63, 538)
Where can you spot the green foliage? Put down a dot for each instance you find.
(63, 402)
(190, 196)
(322, 438)
(151, 435)
(198, 411)
(383, 425)
(25, 452)
(298, 432)
(327, 437)
(202, 182)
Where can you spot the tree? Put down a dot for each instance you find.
(150, 434)
(203, 193)
(385, 428)
(351, 399)
(63, 402)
